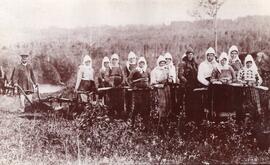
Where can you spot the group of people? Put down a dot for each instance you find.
(225, 69)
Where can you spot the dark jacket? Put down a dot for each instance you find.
(144, 79)
(116, 76)
(187, 72)
(24, 77)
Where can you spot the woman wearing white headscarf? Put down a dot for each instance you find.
(116, 72)
(234, 60)
(104, 71)
(116, 94)
(223, 73)
(160, 76)
(131, 64)
(85, 77)
(139, 80)
(206, 68)
(140, 76)
(103, 78)
(172, 70)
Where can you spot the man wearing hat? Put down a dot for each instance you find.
(187, 74)
(24, 78)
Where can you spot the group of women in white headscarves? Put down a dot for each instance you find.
(227, 69)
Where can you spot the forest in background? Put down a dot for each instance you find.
(56, 53)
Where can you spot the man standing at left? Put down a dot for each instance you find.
(25, 79)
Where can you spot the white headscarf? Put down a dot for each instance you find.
(115, 56)
(130, 56)
(226, 66)
(85, 59)
(160, 59)
(168, 55)
(233, 48)
(210, 51)
(253, 67)
(105, 59)
(142, 59)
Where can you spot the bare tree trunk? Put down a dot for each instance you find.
(216, 37)
(215, 29)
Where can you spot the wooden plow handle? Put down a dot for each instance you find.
(25, 95)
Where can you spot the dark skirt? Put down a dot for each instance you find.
(164, 101)
(116, 101)
(141, 104)
(87, 85)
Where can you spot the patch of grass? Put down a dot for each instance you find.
(102, 140)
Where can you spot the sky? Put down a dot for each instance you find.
(16, 14)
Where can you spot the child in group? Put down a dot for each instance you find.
(249, 74)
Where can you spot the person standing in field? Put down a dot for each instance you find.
(187, 75)
(206, 67)
(236, 63)
(85, 78)
(139, 80)
(205, 70)
(25, 79)
(160, 78)
(250, 76)
(171, 83)
(131, 64)
(222, 74)
(116, 94)
(103, 78)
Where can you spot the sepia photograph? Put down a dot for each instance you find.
(134, 82)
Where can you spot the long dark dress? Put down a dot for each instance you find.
(104, 81)
(116, 94)
(128, 95)
(140, 95)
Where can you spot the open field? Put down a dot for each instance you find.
(54, 140)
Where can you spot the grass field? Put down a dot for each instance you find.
(53, 140)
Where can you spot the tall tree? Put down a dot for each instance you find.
(208, 9)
